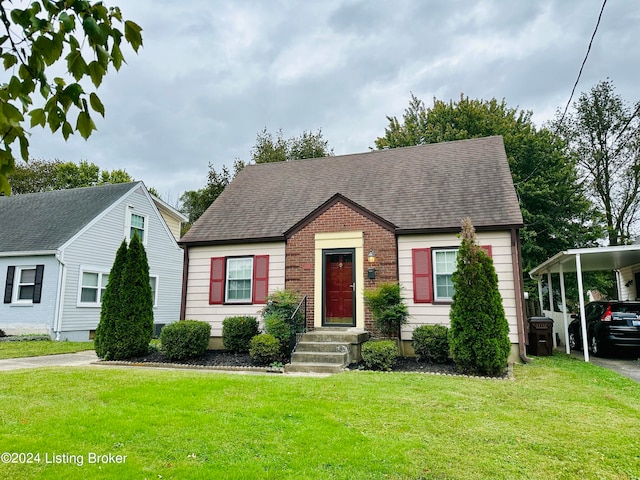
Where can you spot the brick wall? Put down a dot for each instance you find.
(300, 252)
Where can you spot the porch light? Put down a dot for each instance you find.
(372, 256)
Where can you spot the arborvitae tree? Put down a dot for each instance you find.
(479, 334)
(134, 327)
(111, 307)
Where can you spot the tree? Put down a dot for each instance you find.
(43, 176)
(556, 213)
(32, 45)
(602, 134)
(106, 342)
(308, 145)
(135, 329)
(479, 333)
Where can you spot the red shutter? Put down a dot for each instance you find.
(487, 249)
(260, 278)
(216, 281)
(422, 284)
(8, 287)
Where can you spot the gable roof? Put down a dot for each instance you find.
(35, 222)
(426, 188)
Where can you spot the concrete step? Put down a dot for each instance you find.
(323, 347)
(312, 368)
(342, 336)
(333, 358)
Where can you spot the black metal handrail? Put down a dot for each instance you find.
(298, 323)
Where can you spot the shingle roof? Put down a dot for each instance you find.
(424, 188)
(45, 221)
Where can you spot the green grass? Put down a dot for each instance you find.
(36, 348)
(560, 418)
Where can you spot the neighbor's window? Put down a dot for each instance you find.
(238, 281)
(26, 284)
(444, 264)
(154, 289)
(93, 285)
(137, 226)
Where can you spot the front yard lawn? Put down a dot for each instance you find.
(37, 348)
(560, 418)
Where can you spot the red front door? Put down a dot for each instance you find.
(338, 288)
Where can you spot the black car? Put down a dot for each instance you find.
(613, 326)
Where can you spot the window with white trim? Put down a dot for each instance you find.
(25, 284)
(137, 225)
(92, 287)
(444, 264)
(153, 280)
(239, 279)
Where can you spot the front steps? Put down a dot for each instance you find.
(327, 350)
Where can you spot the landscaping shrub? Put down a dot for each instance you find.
(379, 355)
(185, 339)
(283, 303)
(479, 334)
(388, 310)
(279, 328)
(431, 343)
(264, 349)
(2, 334)
(237, 332)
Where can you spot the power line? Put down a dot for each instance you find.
(575, 85)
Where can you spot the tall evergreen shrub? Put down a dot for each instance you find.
(105, 340)
(479, 333)
(135, 329)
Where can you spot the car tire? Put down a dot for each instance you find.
(595, 346)
(573, 341)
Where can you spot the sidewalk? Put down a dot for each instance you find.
(63, 360)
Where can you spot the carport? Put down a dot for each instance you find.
(579, 260)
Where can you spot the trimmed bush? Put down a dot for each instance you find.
(388, 310)
(237, 333)
(431, 343)
(379, 355)
(279, 328)
(264, 349)
(185, 339)
(283, 303)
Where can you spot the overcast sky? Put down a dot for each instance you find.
(213, 73)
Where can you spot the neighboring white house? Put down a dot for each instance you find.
(57, 248)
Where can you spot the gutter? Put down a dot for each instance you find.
(516, 262)
(62, 280)
(185, 278)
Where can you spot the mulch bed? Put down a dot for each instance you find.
(219, 359)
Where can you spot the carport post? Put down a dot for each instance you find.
(583, 319)
(564, 311)
(540, 298)
(550, 287)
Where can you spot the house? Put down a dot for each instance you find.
(329, 228)
(57, 248)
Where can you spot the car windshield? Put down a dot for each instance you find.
(625, 307)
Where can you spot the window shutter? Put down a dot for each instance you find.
(8, 287)
(487, 249)
(260, 278)
(422, 284)
(216, 281)
(37, 289)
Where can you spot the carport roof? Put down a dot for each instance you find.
(591, 259)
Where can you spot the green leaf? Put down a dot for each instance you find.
(73, 91)
(9, 60)
(24, 147)
(96, 71)
(96, 104)
(103, 57)
(132, 33)
(15, 87)
(116, 56)
(67, 22)
(67, 130)
(38, 117)
(85, 125)
(93, 31)
(76, 64)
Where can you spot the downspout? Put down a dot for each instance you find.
(61, 290)
(516, 265)
(185, 277)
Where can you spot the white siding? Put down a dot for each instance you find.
(197, 305)
(95, 249)
(36, 317)
(426, 313)
(627, 274)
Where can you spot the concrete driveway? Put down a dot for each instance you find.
(62, 360)
(629, 367)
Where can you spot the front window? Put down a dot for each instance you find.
(444, 264)
(26, 284)
(238, 281)
(137, 226)
(93, 285)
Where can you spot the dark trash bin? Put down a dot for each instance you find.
(540, 336)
